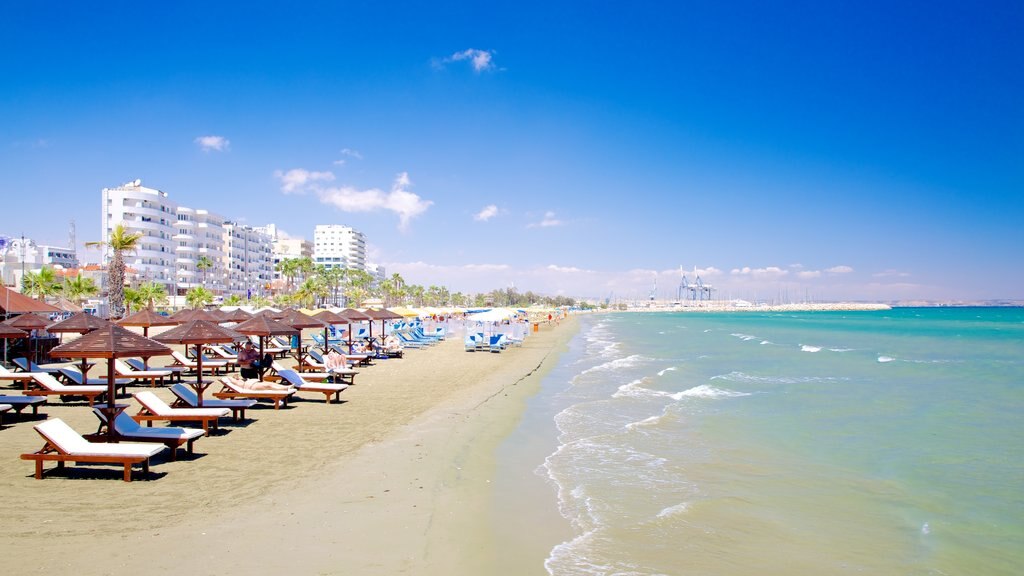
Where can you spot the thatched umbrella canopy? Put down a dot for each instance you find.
(199, 332)
(81, 323)
(144, 319)
(329, 318)
(27, 322)
(380, 314)
(12, 302)
(298, 320)
(189, 314)
(353, 315)
(263, 326)
(110, 342)
(8, 331)
(15, 327)
(236, 315)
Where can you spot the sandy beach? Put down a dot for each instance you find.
(393, 480)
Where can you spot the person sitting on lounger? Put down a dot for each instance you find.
(362, 348)
(250, 365)
(391, 344)
(335, 361)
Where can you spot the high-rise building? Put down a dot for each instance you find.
(336, 246)
(185, 247)
(248, 258)
(147, 211)
(285, 247)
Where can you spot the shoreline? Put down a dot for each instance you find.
(394, 480)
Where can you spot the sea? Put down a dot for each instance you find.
(803, 443)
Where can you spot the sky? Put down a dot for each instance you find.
(783, 150)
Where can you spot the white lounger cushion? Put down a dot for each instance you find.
(242, 390)
(52, 384)
(5, 407)
(71, 442)
(125, 370)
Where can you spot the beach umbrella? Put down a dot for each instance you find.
(236, 315)
(329, 318)
(80, 323)
(189, 314)
(264, 327)
(298, 320)
(110, 342)
(7, 331)
(12, 302)
(383, 315)
(145, 319)
(198, 332)
(26, 322)
(352, 315)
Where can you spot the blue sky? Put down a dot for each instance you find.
(836, 150)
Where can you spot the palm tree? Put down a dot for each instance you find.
(79, 288)
(153, 294)
(204, 264)
(233, 300)
(41, 284)
(120, 241)
(198, 297)
(289, 268)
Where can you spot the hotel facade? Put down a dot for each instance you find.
(184, 247)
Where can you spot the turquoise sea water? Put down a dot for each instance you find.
(797, 443)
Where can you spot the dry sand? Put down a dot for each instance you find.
(393, 480)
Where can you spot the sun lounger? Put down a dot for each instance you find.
(498, 342)
(232, 390)
(19, 403)
(128, 429)
(127, 371)
(139, 366)
(273, 350)
(186, 398)
(153, 408)
(25, 365)
(212, 365)
(74, 377)
(65, 445)
(23, 377)
(49, 386)
(327, 389)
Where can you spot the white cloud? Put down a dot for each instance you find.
(213, 143)
(548, 221)
(407, 205)
(771, 272)
(839, 270)
(348, 153)
(296, 180)
(480, 60)
(486, 214)
(808, 274)
(566, 269)
(891, 274)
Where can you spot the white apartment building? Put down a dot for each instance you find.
(20, 256)
(336, 246)
(285, 247)
(147, 211)
(249, 254)
(176, 239)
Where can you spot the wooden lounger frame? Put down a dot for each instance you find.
(50, 453)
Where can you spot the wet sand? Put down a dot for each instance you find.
(393, 480)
